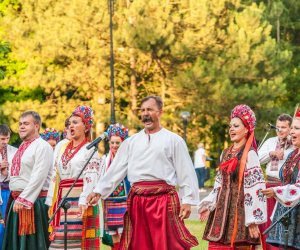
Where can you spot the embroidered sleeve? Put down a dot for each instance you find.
(102, 167)
(254, 183)
(42, 164)
(210, 201)
(288, 195)
(90, 178)
(264, 152)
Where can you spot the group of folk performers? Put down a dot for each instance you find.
(140, 192)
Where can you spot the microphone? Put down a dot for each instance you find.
(97, 140)
(274, 127)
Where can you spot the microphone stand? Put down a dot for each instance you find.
(285, 221)
(263, 140)
(64, 203)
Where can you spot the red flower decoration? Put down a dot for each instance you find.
(279, 191)
(293, 192)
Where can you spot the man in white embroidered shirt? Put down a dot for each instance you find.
(273, 153)
(155, 160)
(27, 219)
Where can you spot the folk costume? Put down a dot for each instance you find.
(236, 200)
(154, 164)
(116, 204)
(272, 173)
(7, 153)
(83, 233)
(29, 182)
(288, 195)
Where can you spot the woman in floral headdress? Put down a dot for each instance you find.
(288, 195)
(83, 232)
(236, 206)
(51, 135)
(115, 205)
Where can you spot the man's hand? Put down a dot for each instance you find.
(93, 199)
(18, 207)
(278, 154)
(269, 192)
(203, 214)
(254, 231)
(185, 211)
(4, 168)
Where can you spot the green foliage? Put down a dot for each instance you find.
(204, 56)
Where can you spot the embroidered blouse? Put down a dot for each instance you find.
(71, 170)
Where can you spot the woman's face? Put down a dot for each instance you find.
(77, 128)
(237, 130)
(295, 132)
(115, 143)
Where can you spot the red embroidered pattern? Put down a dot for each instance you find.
(24, 202)
(70, 151)
(16, 161)
(289, 166)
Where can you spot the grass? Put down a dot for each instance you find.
(195, 227)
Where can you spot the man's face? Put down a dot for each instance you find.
(4, 139)
(150, 116)
(28, 129)
(284, 127)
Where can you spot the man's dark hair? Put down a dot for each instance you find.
(157, 99)
(285, 117)
(35, 115)
(4, 130)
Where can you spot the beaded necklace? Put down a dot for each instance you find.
(70, 151)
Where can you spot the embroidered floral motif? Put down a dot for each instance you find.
(253, 176)
(293, 191)
(279, 191)
(119, 191)
(88, 179)
(260, 195)
(258, 214)
(248, 199)
(288, 203)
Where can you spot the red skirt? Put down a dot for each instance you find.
(152, 219)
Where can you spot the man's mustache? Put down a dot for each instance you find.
(147, 119)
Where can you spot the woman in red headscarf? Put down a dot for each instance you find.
(116, 204)
(236, 206)
(83, 232)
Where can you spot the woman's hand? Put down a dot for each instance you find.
(82, 209)
(269, 192)
(254, 231)
(203, 214)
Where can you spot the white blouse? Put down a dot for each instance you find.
(90, 175)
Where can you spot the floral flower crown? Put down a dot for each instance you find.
(117, 130)
(50, 134)
(246, 114)
(86, 113)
